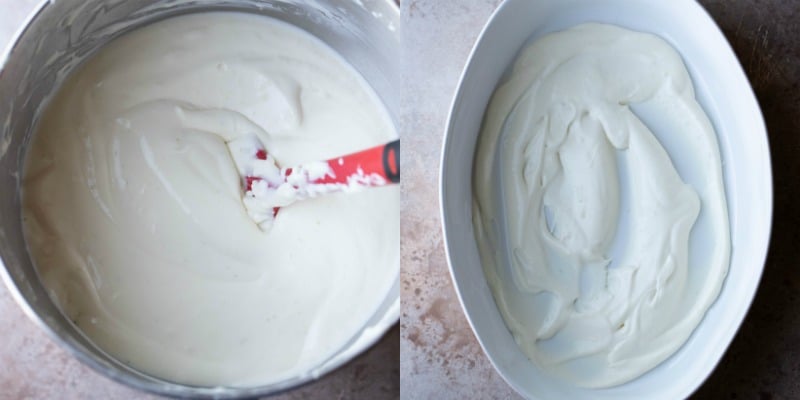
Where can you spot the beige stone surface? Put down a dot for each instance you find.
(439, 356)
(33, 367)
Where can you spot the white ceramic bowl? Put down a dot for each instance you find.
(725, 94)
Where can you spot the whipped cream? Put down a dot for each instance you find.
(133, 210)
(583, 223)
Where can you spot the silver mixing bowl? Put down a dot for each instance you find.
(61, 34)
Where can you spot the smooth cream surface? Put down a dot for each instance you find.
(583, 223)
(133, 211)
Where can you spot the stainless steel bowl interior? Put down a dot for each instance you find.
(61, 34)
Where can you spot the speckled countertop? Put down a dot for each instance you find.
(440, 358)
(33, 367)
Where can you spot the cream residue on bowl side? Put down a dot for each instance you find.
(582, 221)
(133, 213)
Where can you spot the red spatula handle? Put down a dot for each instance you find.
(383, 160)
